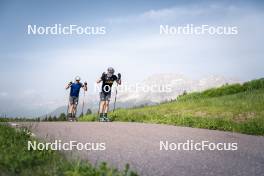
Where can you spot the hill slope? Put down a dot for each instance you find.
(129, 96)
(237, 107)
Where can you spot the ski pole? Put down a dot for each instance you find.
(99, 107)
(68, 108)
(83, 101)
(68, 101)
(99, 104)
(115, 98)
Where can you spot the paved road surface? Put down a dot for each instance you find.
(139, 145)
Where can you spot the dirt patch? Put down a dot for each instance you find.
(243, 117)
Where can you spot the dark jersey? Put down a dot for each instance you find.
(107, 82)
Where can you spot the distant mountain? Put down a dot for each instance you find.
(14, 108)
(169, 86)
(164, 87)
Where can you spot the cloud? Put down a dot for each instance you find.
(173, 13)
(196, 12)
(155, 14)
(30, 92)
(3, 94)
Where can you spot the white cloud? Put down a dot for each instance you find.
(3, 94)
(156, 14)
(30, 92)
(200, 12)
(167, 13)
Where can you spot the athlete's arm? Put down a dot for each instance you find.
(68, 85)
(85, 86)
(98, 81)
(118, 78)
(118, 81)
(101, 79)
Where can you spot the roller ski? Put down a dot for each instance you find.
(104, 118)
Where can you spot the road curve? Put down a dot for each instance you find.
(139, 145)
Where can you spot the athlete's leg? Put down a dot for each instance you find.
(108, 97)
(73, 110)
(70, 113)
(76, 100)
(101, 110)
(102, 106)
(70, 110)
(106, 106)
(102, 102)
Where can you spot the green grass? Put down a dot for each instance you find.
(238, 108)
(15, 159)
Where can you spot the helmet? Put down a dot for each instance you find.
(110, 70)
(77, 78)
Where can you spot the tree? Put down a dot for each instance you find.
(45, 119)
(54, 118)
(49, 118)
(62, 117)
(89, 111)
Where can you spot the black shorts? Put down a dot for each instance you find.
(74, 100)
(105, 96)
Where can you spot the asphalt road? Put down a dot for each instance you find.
(139, 145)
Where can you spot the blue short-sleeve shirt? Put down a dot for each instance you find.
(75, 89)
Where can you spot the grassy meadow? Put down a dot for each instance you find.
(236, 107)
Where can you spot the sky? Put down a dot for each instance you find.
(35, 68)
